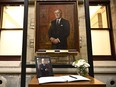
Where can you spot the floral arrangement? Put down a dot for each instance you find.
(82, 66)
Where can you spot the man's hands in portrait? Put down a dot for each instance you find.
(54, 40)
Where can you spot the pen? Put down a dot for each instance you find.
(72, 77)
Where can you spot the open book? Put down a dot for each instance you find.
(66, 78)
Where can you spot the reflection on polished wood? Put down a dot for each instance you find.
(92, 83)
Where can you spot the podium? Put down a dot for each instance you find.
(92, 83)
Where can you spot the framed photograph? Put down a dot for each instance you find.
(47, 36)
(43, 66)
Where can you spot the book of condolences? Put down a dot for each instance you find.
(66, 78)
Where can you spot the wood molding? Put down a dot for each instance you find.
(10, 58)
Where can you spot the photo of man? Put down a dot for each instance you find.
(59, 31)
(44, 67)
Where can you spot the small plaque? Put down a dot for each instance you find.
(50, 51)
(64, 51)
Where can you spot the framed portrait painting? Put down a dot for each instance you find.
(48, 34)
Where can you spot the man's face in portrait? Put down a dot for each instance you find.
(43, 61)
(58, 14)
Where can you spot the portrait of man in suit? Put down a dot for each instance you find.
(59, 31)
(44, 68)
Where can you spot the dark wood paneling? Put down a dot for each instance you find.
(10, 58)
(106, 58)
(4, 1)
(56, 0)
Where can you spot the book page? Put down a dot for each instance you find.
(50, 79)
(67, 78)
(71, 78)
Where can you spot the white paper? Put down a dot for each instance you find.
(66, 78)
(76, 78)
(50, 79)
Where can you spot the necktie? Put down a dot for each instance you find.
(58, 22)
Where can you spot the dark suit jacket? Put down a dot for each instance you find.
(45, 70)
(60, 31)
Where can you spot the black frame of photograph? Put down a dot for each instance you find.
(38, 63)
(75, 29)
